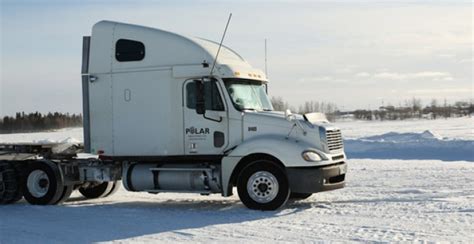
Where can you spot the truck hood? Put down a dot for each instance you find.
(278, 118)
(264, 123)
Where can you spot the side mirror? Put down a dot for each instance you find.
(200, 104)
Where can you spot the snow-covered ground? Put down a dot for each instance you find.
(68, 134)
(386, 199)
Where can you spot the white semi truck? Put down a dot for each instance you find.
(161, 118)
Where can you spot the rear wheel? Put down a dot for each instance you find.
(115, 187)
(43, 183)
(97, 190)
(20, 175)
(10, 183)
(263, 185)
(66, 193)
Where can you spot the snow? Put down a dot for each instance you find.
(71, 135)
(454, 128)
(410, 145)
(408, 181)
(444, 139)
(404, 137)
(385, 200)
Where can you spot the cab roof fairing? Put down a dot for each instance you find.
(161, 49)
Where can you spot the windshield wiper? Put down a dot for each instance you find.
(267, 109)
(249, 109)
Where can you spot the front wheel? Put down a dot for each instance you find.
(263, 185)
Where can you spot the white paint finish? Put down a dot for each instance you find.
(235, 130)
(199, 131)
(136, 106)
(147, 124)
(228, 165)
(101, 48)
(187, 71)
(162, 48)
(101, 114)
(288, 151)
(227, 54)
(275, 125)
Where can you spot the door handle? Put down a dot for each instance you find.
(92, 78)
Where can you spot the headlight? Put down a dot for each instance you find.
(311, 156)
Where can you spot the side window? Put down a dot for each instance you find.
(129, 50)
(212, 97)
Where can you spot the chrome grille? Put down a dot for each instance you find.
(334, 140)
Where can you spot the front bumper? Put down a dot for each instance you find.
(317, 179)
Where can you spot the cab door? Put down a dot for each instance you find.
(205, 134)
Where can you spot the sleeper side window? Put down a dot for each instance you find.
(129, 50)
(212, 97)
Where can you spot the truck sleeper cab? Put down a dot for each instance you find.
(151, 103)
(160, 121)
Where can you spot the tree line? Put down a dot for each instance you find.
(32, 122)
(414, 109)
(330, 109)
(411, 109)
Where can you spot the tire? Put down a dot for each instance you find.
(263, 185)
(43, 183)
(115, 188)
(97, 190)
(20, 174)
(66, 193)
(299, 196)
(10, 183)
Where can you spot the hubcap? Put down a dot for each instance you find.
(262, 186)
(38, 183)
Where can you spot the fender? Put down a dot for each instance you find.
(288, 151)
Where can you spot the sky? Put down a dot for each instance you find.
(356, 54)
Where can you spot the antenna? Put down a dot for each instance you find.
(220, 44)
(266, 72)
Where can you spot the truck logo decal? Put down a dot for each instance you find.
(197, 131)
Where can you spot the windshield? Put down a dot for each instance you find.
(248, 94)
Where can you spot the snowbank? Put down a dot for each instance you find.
(454, 128)
(410, 145)
(67, 135)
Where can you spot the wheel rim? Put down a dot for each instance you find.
(262, 187)
(38, 183)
